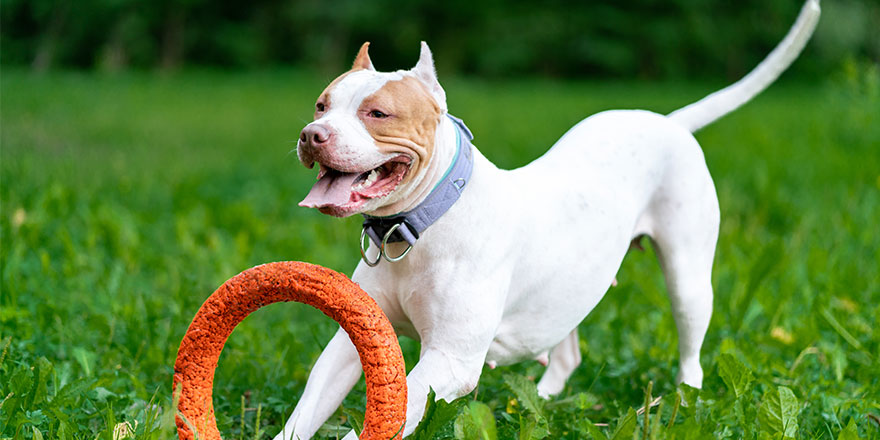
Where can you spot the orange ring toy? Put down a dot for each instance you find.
(325, 289)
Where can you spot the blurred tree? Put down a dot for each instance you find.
(646, 38)
(54, 15)
(173, 17)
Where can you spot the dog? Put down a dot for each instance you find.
(489, 266)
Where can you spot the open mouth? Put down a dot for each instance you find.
(341, 193)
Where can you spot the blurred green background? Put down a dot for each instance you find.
(607, 38)
(147, 155)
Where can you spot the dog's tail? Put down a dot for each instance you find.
(707, 110)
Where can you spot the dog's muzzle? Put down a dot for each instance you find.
(312, 140)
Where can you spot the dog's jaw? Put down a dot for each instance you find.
(339, 193)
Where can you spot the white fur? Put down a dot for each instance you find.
(509, 272)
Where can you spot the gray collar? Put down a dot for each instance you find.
(407, 226)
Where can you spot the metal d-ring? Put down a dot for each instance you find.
(364, 251)
(385, 241)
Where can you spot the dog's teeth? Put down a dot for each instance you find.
(371, 179)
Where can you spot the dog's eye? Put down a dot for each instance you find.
(319, 106)
(377, 114)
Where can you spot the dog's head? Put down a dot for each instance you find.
(372, 136)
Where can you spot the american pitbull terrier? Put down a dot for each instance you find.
(490, 266)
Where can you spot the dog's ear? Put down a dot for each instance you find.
(425, 72)
(362, 60)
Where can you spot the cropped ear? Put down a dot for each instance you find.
(362, 60)
(425, 72)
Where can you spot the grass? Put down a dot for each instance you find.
(127, 199)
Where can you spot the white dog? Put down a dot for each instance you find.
(488, 266)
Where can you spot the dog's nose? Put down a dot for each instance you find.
(315, 135)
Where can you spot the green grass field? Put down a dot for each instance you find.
(126, 200)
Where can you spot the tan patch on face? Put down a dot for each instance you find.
(412, 120)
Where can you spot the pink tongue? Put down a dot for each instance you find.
(334, 189)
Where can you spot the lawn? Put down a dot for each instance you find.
(126, 200)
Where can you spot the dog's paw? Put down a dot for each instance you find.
(549, 388)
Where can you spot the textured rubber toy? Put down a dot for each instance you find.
(327, 290)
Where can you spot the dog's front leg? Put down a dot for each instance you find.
(449, 376)
(456, 335)
(336, 372)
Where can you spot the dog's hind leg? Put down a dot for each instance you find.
(690, 294)
(685, 227)
(564, 358)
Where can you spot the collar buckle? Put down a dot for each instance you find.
(382, 252)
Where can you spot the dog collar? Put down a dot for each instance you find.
(409, 225)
